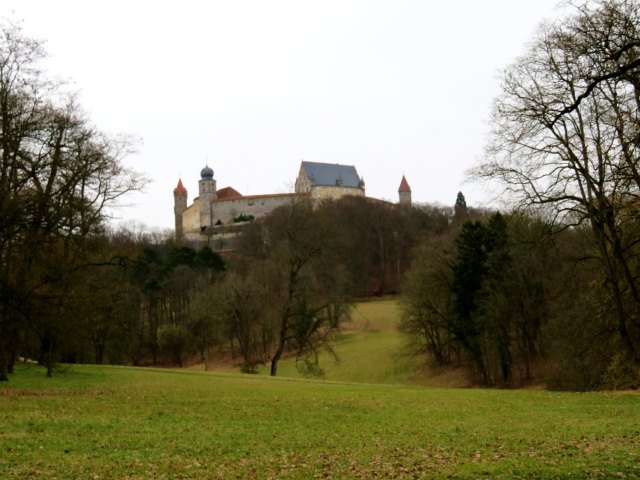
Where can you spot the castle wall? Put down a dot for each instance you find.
(191, 217)
(193, 239)
(326, 192)
(303, 184)
(258, 206)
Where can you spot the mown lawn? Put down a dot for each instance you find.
(120, 422)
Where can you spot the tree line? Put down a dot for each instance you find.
(140, 298)
(556, 283)
(58, 175)
(516, 303)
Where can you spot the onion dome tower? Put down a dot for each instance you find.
(404, 192)
(206, 173)
(207, 191)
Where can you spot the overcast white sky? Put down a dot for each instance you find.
(393, 87)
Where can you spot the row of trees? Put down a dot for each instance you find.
(559, 283)
(567, 138)
(140, 298)
(297, 271)
(58, 174)
(517, 303)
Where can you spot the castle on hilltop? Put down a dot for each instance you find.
(217, 214)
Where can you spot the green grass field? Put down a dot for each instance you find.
(119, 422)
(370, 417)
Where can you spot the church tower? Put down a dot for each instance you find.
(404, 192)
(179, 206)
(207, 187)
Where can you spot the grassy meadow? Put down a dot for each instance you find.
(121, 422)
(370, 417)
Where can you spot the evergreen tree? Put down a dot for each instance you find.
(478, 273)
(460, 208)
(460, 201)
(469, 272)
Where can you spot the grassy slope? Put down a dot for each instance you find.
(120, 422)
(370, 351)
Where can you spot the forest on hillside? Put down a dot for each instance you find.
(545, 291)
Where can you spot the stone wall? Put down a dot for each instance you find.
(303, 184)
(326, 192)
(191, 217)
(225, 210)
(257, 206)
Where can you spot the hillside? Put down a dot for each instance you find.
(369, 350)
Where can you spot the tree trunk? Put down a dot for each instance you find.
(13, 355)
(280, 350)
(99, 352)
(49, 360)
(276, 359)
(293, 276)
(231, 344)
(4, 347)
(613, 277)
(4, 363)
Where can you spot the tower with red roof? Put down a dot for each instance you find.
(404, 192)
(179, 206)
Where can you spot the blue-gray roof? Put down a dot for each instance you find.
(330, 173)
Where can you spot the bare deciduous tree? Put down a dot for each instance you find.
(58, 176)
(566, 138)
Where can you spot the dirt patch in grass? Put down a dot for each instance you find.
(19, 392)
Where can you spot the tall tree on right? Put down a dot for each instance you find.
(566, 138)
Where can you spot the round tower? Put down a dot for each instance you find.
(207, 192)
(179, 206)
(404, 192)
